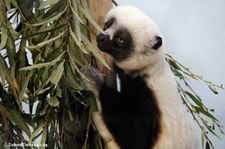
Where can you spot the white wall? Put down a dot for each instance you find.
(194, 33)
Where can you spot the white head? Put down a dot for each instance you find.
(132, 38)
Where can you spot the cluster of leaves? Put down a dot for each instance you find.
(201, 114)
(43, 46)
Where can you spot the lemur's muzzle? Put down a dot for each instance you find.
(103, 42)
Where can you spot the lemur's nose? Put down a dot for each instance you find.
(102, 37)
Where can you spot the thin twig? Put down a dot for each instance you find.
(194, 116)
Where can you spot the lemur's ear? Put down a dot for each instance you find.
(157, 43)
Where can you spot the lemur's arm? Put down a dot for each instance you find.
(97, 85)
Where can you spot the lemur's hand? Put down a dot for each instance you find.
(94, 79)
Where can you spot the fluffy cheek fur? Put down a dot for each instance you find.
(139, 61)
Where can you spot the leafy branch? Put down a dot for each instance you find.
(43, 46)
(194, 103)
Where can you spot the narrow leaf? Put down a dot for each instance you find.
(45, 42)
(197, 101)
(203, 137)
(90, 18)
(25, 8)
(43, 64)
(207, 146)
(24, 86)
(213, 89)
(206, 113)
(212, 131)
(7, 4)
(76, 40)
(36, 132)
(4, 37)
(75, 13)
(46, 3)
(15, 117)
(49, 19)
(94, 106)
(44, 137)
(98, 143)
(2, 72)
(11, 81)
(173, 64)
(56, 74)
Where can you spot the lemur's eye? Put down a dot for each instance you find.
(120, 40)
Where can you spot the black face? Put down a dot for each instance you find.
(120, 47)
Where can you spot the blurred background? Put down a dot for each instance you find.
(194, 34)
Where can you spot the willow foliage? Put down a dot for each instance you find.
(43, 46)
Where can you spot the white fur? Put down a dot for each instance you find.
(176, 123)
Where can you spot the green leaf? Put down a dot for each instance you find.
(36, 132)
(75, 12)
(56, 74)
(213, 89)
(196, 101)
(77, 41)
(94, 106)
(47, 3)
(206, 113)
(212, 131)
(203, 137)
(76, 55)
(11, 51)
(98, 143)
(25, 7)
(7, 4)
(46, 42)
(4, 37)
(49, 19)
(45, 110)
(45, 29)
(90, 18)
(61, 5)
(38, 66)
(53, 102)
(174, 65)
(10, 80)
(15, 117)
(59, 92)
(44, 137)
(12, 32)
(178, 74)
(2, 71)
(24, 86)
(207, 146)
